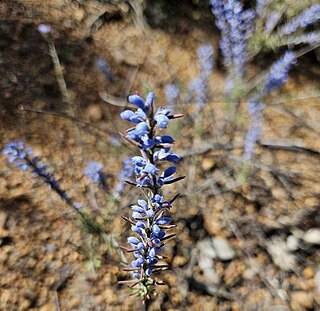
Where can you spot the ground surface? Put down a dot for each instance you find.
(244, 242)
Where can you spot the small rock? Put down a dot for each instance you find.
(206, 248)
(204, 263)
(179, 261)
(48, 307)
(50, 248)
(301, 299)
(206, 266)
(223, 249)
(311, 202)
(312, 236)
(308, 272)
(279, 194)
(24, 304)
(207, 164)
(94, 112)
(280, 254)
(292, 243)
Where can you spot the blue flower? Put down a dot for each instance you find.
(161, 118)
(130, 116)
(137, 101)
(278, 73)
(172, 93)
(105, 69)
(93, 170)
(125, 173)
(150, 169)
(163, 221)
(167, 175)
(149, 222)
(235, 25)
(20, 155)
(307, 17)
(272, 21)
(140, 103)
(205, 54)
(45, 29)
(149, 101)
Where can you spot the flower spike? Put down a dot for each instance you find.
(149, 221)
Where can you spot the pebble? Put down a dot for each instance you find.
(312, 236)
(206, 266)
(206, 248)
(301, 299)
(311, 202)
(207, 164)
(280, 254)
(179, 261)
(223, 249)
(50, 248)
(308, 272)
(94, 112)
(48, 307)
(292, 243)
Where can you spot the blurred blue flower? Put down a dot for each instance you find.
(45, 29)
(105, 69)
(278, 73)
(307, 17)
(172, 93)
(125, 173)
(20, 155)
(93, 170)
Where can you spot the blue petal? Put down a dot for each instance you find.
(160, 181)
(152, 252)
(143, 203)
(136, 215)
(138, 209)
(136, 275)
(169, 171)
(162, 120)
(155, 229)
(136, 100)
(127, 115)
(150, 169)
(141, 224)
(163, 220)
(150, 213)
(149, 100)
(133, 240)
(141, 114)
(173, 158)
(166, 139)
(142, 129)
(156, 241)
(161, 234)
